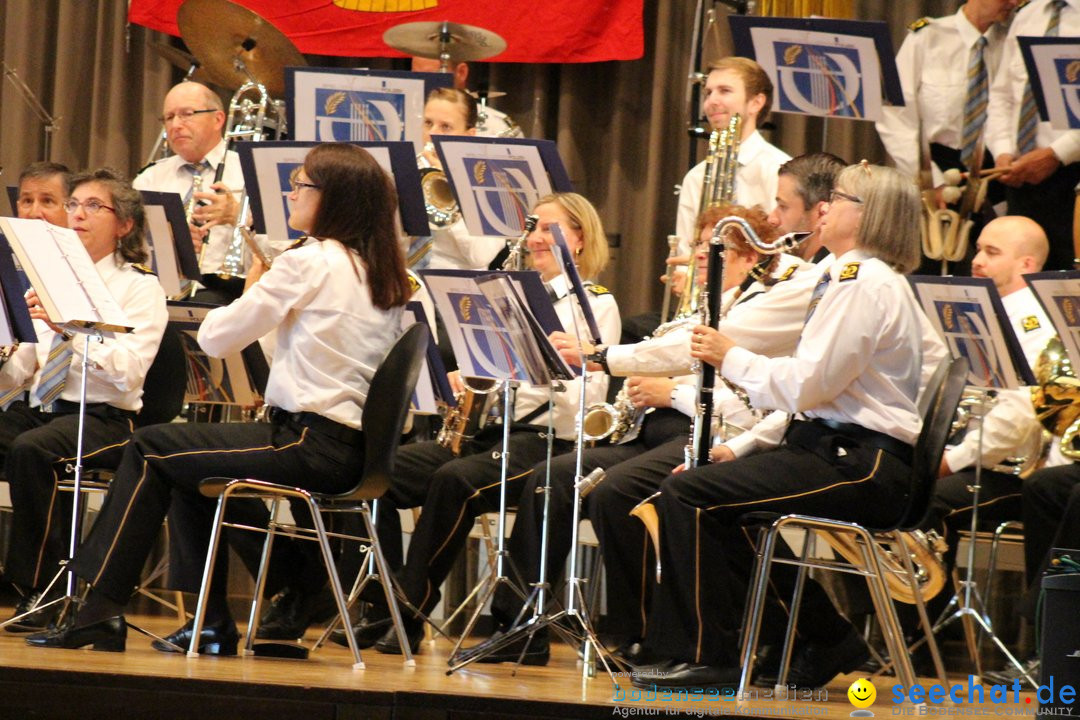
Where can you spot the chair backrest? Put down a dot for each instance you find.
(938, 405)
(386, 409)
(166, 382)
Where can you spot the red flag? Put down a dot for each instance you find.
(552, 31)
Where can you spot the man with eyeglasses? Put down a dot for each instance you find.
(194, 120)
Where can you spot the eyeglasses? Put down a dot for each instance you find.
(92, 206)
(834, 194)
(184, 115)
(297, 184)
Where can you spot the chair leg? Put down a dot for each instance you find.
(387, 583)
(208, 571)
(260, 578)
(755, 605)
(809, 543)
(886, 612)
(920, 606)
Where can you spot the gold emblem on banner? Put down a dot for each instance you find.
(792, 53)
(385, 5)
(333, 102)
(1068, 309)
(465, 308)
(1072, 71)
(948, 317)
(479, 171)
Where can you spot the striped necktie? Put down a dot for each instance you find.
(1029, 113)
(975, 102)
(54, 374)
(815, 296)
(197, 170)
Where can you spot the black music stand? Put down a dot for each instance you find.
(75, 297)
(968, 313)
(172, 254)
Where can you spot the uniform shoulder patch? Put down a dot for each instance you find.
(1030, 323)
(850, 271)
(143, 269)
(146, 167)
(597, 289)
(1023, 4)
(786, 275)
(919, 24)
(414, 282)
(298, 243)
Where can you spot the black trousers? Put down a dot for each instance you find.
(708, 557)
(1050, 203)
(452, 492)
(633, 459)
(1051, 511)
(951, 506)
(36, 448)
(161, 470)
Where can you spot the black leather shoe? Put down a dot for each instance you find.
(36, 621)
(814, 664)
(537, 653)
(388, 643)
(633, 653)
(292, 612)
(109, 635)
(218, 639)
(686, 675)
(367, 632)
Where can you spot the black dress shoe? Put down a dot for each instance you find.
(292, 612)
(218, 639)
(538, 651)
(814, 663)
(414, 631)
(686, 675)
(367, 632)
(633, 653)
(109, 635)
(37, 620)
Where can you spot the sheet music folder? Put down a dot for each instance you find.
(71, 290)
(237, 379)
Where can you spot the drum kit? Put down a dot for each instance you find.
(233, 47)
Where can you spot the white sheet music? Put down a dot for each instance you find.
(70, 288)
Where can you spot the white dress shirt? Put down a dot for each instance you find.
(330, 337)
(932, 64)
(1007, 90)
(171, 175)
(767, 323)
(118, 364)
(608, 322)
(453, 248)
(755, 184)
(859, 360)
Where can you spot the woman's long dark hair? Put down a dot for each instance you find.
(356, 207)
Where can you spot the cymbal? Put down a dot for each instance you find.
(490, 94)
(219, 32)
(180, 59)
(465, 42)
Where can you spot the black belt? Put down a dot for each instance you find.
(867, 437)
(315, 421)
(66, 407)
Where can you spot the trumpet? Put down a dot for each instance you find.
(439, 201)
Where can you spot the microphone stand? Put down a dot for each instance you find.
(48, 120)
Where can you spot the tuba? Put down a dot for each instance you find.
(926, 550)
(1056, 396)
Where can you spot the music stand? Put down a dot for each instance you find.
(498, 324)
(968, 314)
(168, 237)
(74, 296)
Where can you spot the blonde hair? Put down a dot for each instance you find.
(583, 217)
(889, 229)
(460, 98)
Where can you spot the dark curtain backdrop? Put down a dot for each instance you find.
(620, 127)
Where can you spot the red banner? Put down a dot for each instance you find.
(549, 31)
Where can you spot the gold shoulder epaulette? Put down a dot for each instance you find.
(850, 271)
(786, 275)
(299, 242)
(919, 24)
(143, 269)
(597, 289)
(1023, 4)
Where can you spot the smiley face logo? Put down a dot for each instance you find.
(862, 693)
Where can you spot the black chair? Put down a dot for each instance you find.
(938, 406)
(383, 421)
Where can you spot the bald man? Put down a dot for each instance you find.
(194, 120)
(491, 122)
(1008, 248)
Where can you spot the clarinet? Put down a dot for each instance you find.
(697, 452)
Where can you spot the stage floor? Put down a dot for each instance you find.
(142, 683)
